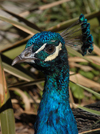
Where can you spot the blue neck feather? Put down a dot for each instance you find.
(54, 114)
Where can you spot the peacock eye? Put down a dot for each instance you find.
(50, 49)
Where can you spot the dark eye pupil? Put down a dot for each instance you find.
(50, 49)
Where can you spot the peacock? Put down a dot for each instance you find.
(46, 51)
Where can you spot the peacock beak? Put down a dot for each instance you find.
(26, 56)
(16, 60)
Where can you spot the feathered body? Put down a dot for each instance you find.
(46, 51)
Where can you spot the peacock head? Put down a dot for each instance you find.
(43, 50)
(46, 50)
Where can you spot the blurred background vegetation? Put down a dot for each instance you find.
(21, 19)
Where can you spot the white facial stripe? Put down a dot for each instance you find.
(41, 48)
(53, 40)
(55, 54)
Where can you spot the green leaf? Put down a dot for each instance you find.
(22, 27)
(15, 45)
(6, 110)
(89, 110)
(28, 23)
(88, 75)
(12, 53)
(17, 71)
(27, 84)
(89, 90)
(67, 23)
(77, 91)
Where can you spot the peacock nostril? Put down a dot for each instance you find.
(27, 54)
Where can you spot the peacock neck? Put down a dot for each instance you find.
(56, 84)
(54, 114)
